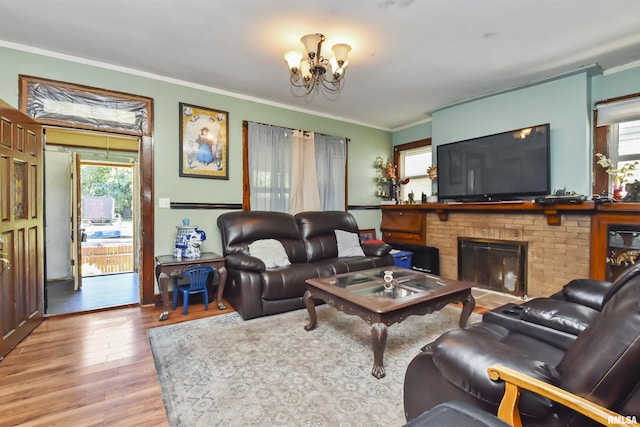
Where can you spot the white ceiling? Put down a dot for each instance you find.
(409, 57)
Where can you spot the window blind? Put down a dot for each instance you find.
(618, 111)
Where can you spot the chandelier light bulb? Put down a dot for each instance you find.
(312, 69)
(293, 59)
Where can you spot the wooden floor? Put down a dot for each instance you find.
(85, 370)
(93, 369)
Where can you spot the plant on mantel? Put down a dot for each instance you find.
(388, 186)
(620, 176)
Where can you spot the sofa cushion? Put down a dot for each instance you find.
(317, 230)
(270, 251)
(240, 229)
(463, 356)
(287, 282)
(348, 244)
(607, 352)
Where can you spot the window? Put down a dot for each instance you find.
(287, 170)
(617, 136)
(626, 142)
(413, 160)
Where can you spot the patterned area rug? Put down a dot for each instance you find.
(223, 371)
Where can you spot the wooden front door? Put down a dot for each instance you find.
(21, 227)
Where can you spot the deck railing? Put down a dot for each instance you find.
(108, 258)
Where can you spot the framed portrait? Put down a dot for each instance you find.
(367, 234)
(204, 142)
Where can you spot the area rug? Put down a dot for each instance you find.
(223, 371)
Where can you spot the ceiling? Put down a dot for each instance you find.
(409, 57)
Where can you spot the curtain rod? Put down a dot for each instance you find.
(305, 131)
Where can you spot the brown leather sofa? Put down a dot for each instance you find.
(310, 243)
(601, 364)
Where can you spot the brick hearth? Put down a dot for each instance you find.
(556, 253)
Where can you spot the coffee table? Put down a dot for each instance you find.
(363, 294)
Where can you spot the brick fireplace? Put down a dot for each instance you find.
(556, 254)
(498, 265)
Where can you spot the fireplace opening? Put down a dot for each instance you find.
(499, 265)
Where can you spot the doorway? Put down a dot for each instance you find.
(92, 221)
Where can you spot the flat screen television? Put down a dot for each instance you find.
(510, 165)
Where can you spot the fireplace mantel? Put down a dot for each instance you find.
(552, 212)
(565, 240)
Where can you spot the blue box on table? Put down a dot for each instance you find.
(402, 258)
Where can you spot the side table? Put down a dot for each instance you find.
(168, 267)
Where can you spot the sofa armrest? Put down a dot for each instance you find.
(589, 292)
(240, 261)
(463, 355)
(559, 315)
(376, 249)
(515, 381)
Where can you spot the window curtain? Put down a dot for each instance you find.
(304, 178)
(331, 160)
(294, 171)
(270, 159)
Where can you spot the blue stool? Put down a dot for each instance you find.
(197, 284)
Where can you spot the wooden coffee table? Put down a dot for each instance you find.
(363, 294)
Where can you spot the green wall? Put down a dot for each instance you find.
(365, 143)
(566, 103)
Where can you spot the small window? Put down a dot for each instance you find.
(413, 160)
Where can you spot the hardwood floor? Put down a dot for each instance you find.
(92, 369)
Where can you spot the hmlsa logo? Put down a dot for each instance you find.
(625, 420)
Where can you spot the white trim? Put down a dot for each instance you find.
(620, 68)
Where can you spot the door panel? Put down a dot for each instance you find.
(21, 227)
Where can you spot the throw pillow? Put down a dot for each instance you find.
(348, 244)
(270, 251)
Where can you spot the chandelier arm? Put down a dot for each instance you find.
(318, 66)
(331, 85)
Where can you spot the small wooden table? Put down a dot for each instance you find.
(363, 294)
(168, 267)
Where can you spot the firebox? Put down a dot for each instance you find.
(499, 265)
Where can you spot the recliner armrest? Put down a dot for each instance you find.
(515, 380)
(240, 261)
(463, 355)
(559, 315)
(589, 292)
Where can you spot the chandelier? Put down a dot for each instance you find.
(313, 69)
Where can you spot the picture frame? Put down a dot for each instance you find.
(367, 234)
(204, 142)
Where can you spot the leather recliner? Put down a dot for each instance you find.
(560, 318)
(600, 365)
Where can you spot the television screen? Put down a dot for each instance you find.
(504, 166)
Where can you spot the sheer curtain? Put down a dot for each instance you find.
(304, 179)
(331, 161)
(269, 156)
(294, 171)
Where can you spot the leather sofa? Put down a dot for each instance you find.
(601, 365)
(560, 318)
(310, 243)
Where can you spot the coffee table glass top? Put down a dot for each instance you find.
(370, 283)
